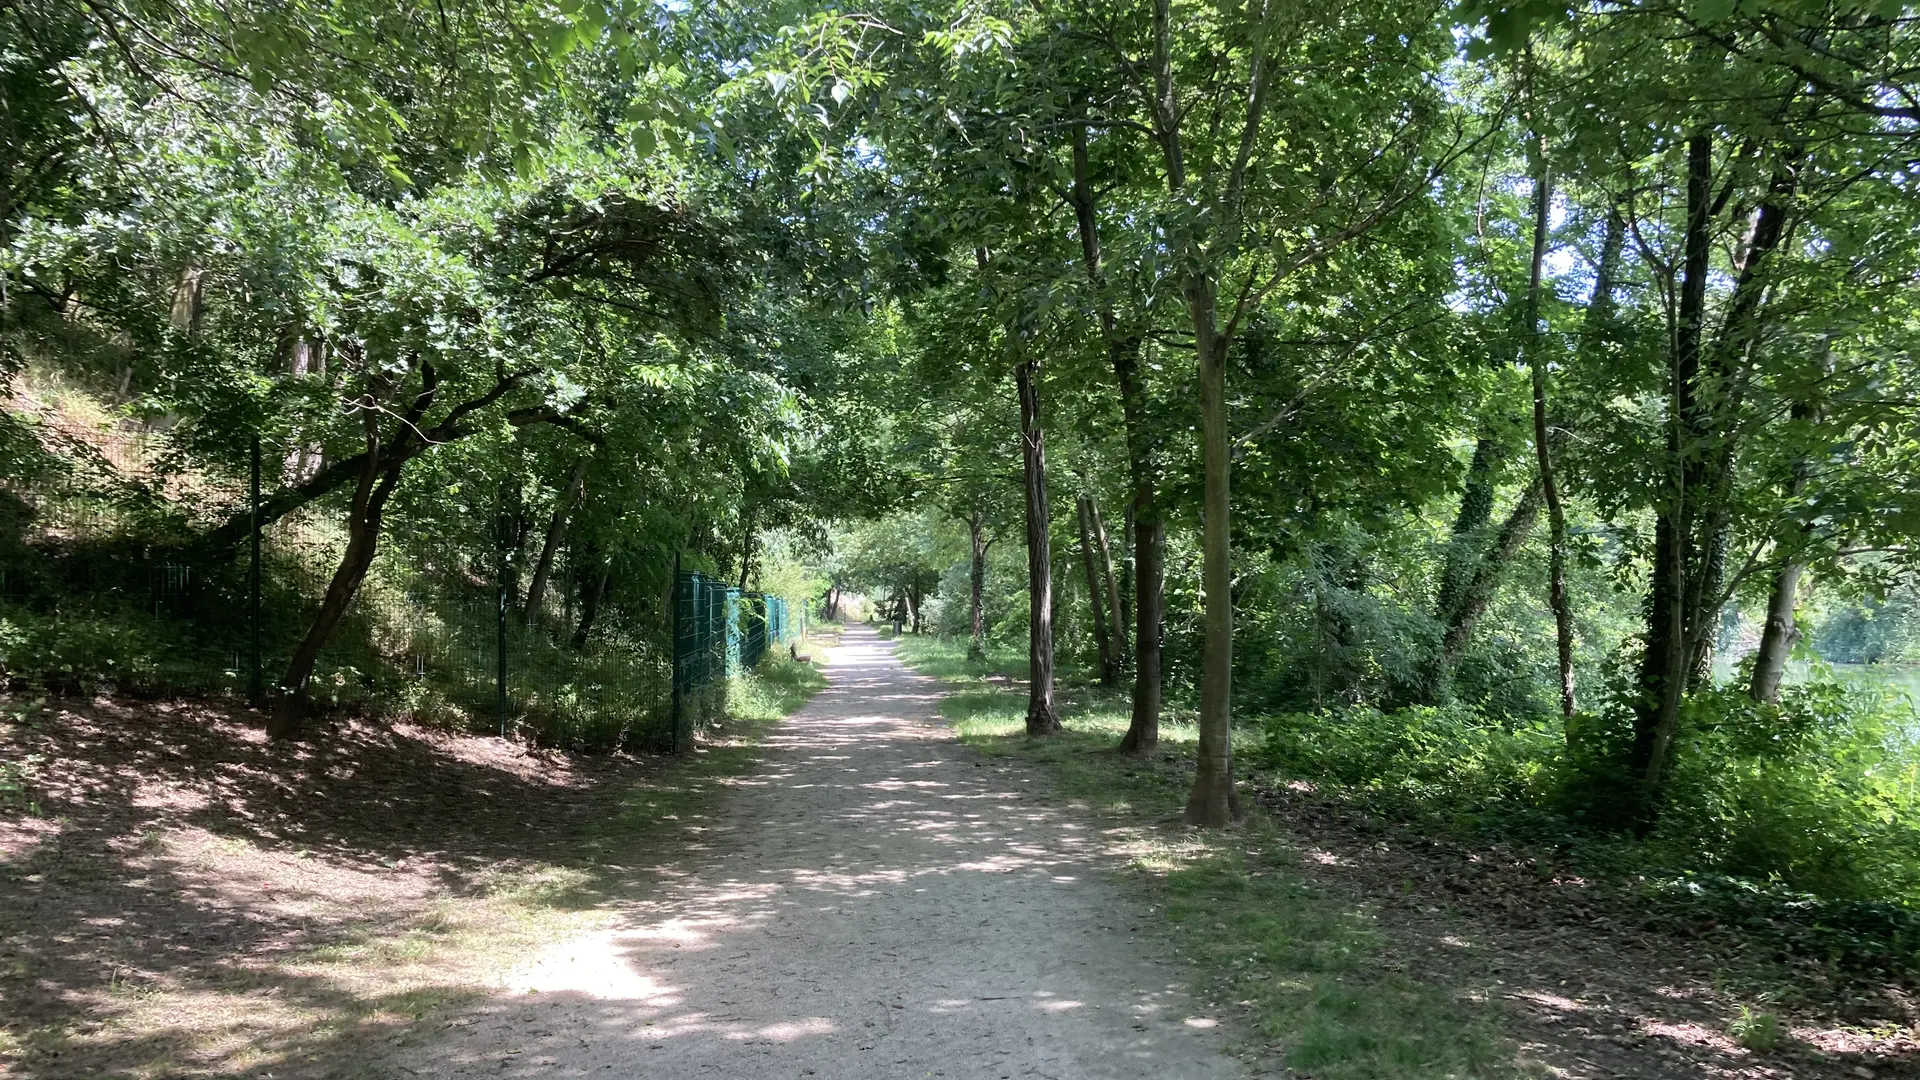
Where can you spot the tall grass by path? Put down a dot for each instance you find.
(1303, 971)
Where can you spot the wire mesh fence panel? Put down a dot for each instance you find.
(104, 585)
(715, 639)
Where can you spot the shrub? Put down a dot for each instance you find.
(1755, 1030)
(1820, 792)
(1448, 757)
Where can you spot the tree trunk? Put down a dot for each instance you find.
(1041, 718)
(1778, 637)
(556, 535)
(220, 541)
(1542, 448)
(1149, 555)
(1213, 801)
(305, 358)
(1109, 669)
(1125, 572)
(1464, 598)
(746, 544)
(591, 598)
(1116, 622)
(976, 588)
(1663, 667)
(1123, 352)
(1479, 590)
(370, 496)
(1464, 544)
(1728, 360)
(1692, 537)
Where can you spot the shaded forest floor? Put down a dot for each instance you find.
(178, 897)
(1354, 945)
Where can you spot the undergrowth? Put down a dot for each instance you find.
(1305, 971)
(1799, 822)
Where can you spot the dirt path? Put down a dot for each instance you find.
(874, 900)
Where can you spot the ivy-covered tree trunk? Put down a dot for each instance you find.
(1542, 445)
(1465, 539)
(1041, 718)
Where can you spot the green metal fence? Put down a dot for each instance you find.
(87, 604)
(718, 633)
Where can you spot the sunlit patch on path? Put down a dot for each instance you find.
(867, 903)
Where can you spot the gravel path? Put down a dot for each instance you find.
(874, 900)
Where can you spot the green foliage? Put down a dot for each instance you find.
(126, 649)
(773, 690)
(1450, 760)
(16, 783)
(1818, 795)
(1757, 1030)
(1820, 792)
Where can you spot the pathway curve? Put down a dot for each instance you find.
(874, 900)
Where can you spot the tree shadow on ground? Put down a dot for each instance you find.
(180, 897)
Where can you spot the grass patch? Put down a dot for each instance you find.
(1306, 973)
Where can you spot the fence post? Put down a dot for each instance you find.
(255, 683)
(677, 658)
(500, 618)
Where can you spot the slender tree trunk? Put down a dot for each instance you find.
(1123, 352)
(1150, 552)
(1109, 670)
(370, 497)
(746, 544)
(1778, 637)
(1213, 800)
(556, 535)
(590, 601)
(1116, 623)
(976, 587)
(1473, 576)
(305, 358)
(1542, 447)
(1041, 718)
(1125, 571)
